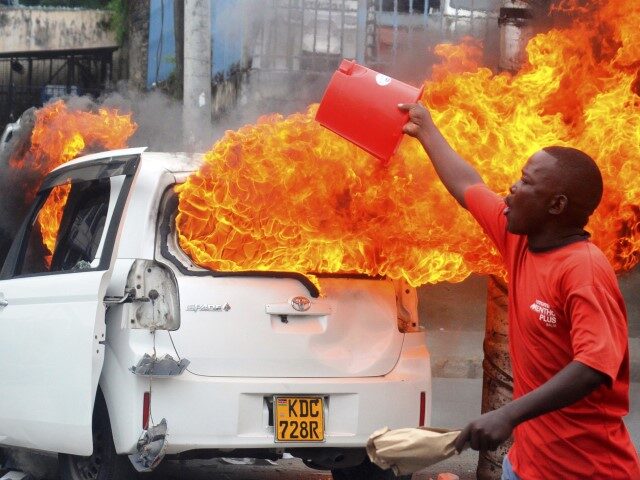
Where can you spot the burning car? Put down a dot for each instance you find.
(118, 349)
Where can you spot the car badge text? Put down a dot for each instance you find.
(301, 304)
(208, 307)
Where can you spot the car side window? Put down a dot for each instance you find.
(68, 228)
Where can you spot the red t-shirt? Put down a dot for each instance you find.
(564, 305)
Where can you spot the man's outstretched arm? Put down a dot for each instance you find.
(455, 172)
(572, 383)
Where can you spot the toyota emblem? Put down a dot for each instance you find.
(301, 304)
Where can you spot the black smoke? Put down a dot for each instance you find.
(16, 182)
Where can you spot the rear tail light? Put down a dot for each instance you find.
(423, 406)
(146, 408)
(153, 291)
(407, 307)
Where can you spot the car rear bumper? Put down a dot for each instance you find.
(233, 412)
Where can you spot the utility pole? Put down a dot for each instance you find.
(197, 73)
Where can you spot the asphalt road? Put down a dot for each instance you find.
(287, 469)
(293, 469)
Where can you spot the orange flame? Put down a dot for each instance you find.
(286, 194)
(50, 216)
(59, 135)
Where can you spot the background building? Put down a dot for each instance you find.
(47, 52)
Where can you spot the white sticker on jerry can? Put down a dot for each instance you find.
(383, 80)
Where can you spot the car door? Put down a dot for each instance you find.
(52, 316)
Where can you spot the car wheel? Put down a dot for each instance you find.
(366, 471)
(104, 463)
(314, 465)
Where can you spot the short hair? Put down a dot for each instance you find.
(582, 180)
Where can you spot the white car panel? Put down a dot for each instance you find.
(50, 360)
(230, 412)
(52, 348)
(354, 334)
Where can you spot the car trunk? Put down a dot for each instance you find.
(247, 326)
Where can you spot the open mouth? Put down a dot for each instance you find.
(507, 208)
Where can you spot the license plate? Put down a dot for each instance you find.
(298, 419)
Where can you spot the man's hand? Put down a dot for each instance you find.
(419, 119)
(486, 432)
(456, 174)
(572, 383)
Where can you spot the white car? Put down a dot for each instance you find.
(117, 351)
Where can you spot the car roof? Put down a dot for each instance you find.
(172, 161)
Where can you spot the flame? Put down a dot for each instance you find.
(50, 216)
(59, 135)
(286, 194)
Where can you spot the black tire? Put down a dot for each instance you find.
(312, 464)
(366, 471)
(104, 463)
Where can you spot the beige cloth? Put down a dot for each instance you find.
(407, 450)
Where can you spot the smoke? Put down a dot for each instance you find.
(271, 38)
(14, 183)
(158, 116)
(159, 120)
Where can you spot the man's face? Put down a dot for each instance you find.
(530, 197)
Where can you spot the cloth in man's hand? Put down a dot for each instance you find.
(407, 450)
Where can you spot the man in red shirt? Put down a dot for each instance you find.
(567, 319)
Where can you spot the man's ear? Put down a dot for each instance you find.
(558, 204)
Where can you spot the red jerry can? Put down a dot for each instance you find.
(361, 105)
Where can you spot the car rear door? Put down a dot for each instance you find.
(52, 316)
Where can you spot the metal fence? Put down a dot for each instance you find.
(32, 80)
(314, 35)
(306, 35)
